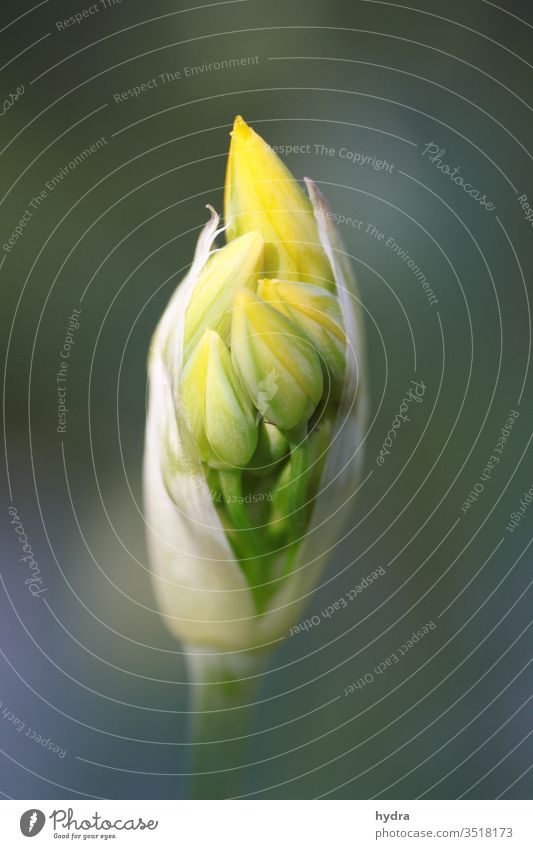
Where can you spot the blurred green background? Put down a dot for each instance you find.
(89, 663)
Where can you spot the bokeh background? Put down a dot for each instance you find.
(88, 664)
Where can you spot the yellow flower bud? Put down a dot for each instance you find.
(235, 265)
(250, 463)
(219, 413)
(278, 365)
(261, 194)
(317, 312)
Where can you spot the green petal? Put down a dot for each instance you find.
(219, 412)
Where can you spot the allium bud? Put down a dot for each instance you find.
(219, 413)
(238, 264)
(278, 365)
(261, 194)
(257, 405)
(315, 311)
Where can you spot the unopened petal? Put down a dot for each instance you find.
(219, 413)
(317, 313)
(261, 194)
(278, 366)
(238, 264)
(229, 415)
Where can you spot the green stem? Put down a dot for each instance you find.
(244, 536)
(231, 484)
(298, 481)
(223, 688)
(288, 513)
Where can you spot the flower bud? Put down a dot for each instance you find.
(317, 312)
(237, 264)
(219, 413)
(261, 194)
(277, 364)
(250, 461)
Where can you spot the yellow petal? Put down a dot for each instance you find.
(261, 194)
(312, 301)
(277, 364)
(317, 313)
(235, 265)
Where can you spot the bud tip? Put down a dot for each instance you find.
(241, 130)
